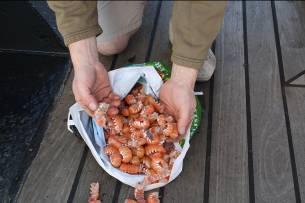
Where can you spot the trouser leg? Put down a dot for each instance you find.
(195, 25)
(119, 20)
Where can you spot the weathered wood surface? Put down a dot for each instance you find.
(52, 172)
(296, 108)
(299, 81)
(291, 24)
(290, 19)
(229, 160)
(272, 167)
(92, 172)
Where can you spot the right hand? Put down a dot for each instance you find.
(178, 95)
(91, 83)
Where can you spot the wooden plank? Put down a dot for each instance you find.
(299, 81)
(229, 160)
(51, 175)
(291, 18)
(291, 24)
(92, 172)
(271, 159)
(296, 107)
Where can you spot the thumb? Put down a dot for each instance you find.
(184, 119)
(87, 99)
(91, 103)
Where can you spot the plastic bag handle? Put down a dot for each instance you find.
(198, 93)
(70, 122)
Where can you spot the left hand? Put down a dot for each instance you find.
(91, 83)
(178, 95)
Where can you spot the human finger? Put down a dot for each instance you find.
(184, 120)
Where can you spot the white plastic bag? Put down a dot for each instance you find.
(122, 81)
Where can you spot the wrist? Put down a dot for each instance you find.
(84, 53)
(184, 76)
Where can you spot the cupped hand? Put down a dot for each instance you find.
(91, 86)
(91, 83)
(178, 96)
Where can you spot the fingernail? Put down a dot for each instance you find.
(181, 130)
(92, 106)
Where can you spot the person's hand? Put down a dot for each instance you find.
(91, 83)
(91, 86)
(178, 95)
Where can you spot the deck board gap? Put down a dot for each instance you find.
(209, 142)
(295, 77)
(293, 85)
(78, 175)
(248, 108)
(35, 52)
(161, 194)
(287, 120)
(117, 190)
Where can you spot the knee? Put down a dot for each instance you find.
(114, 46)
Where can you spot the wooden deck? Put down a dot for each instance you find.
(250, 147)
